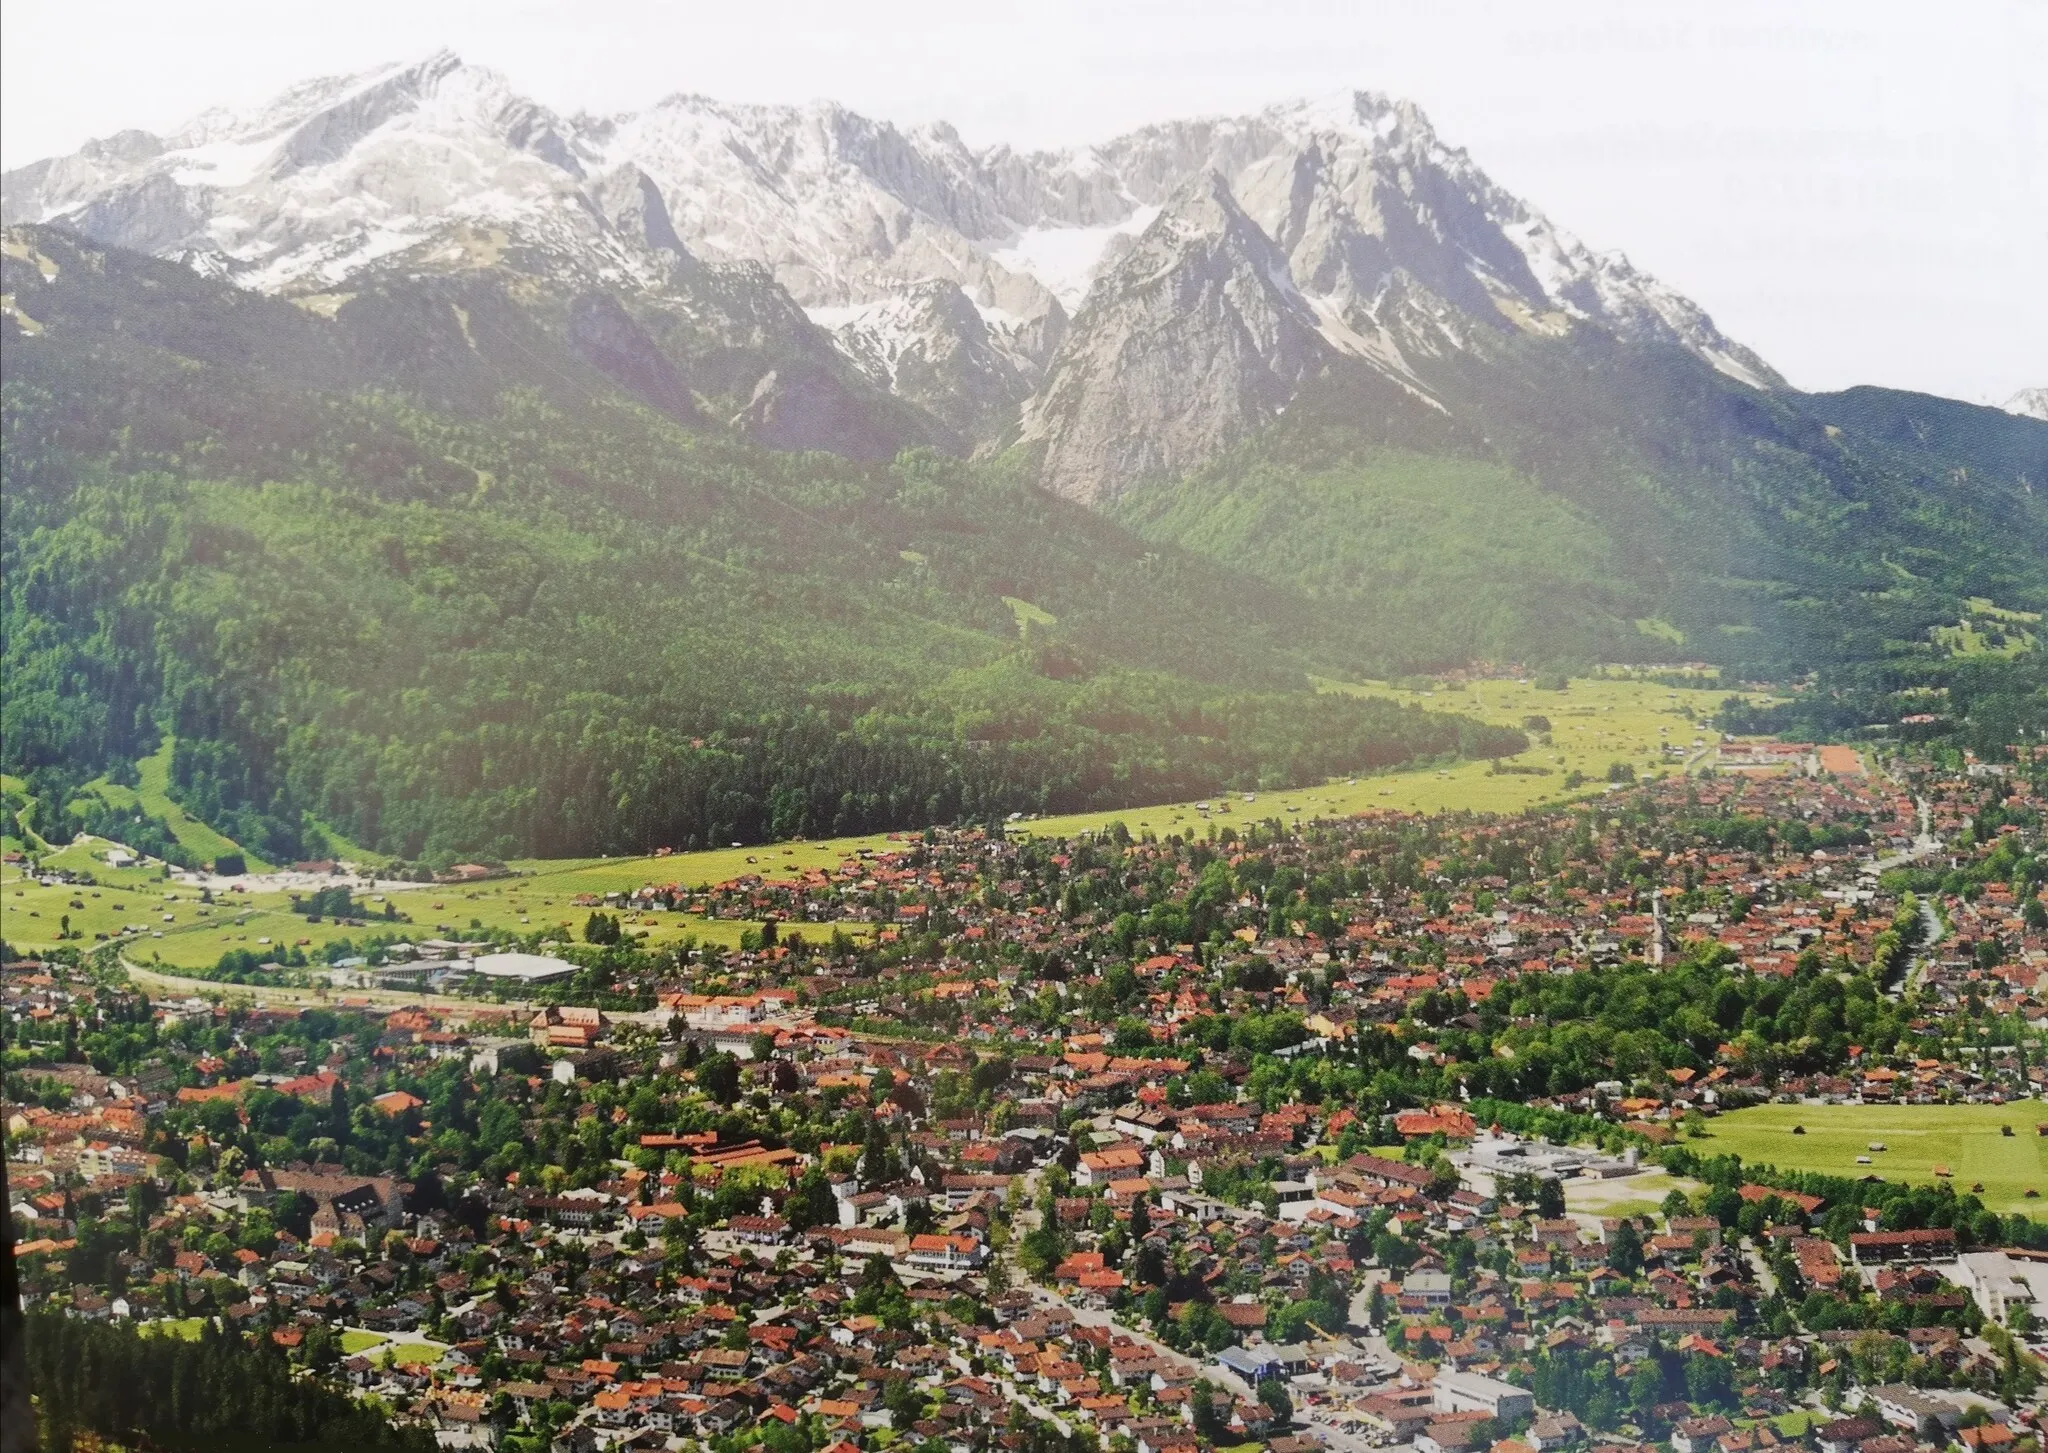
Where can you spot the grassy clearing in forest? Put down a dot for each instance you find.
(152, 795)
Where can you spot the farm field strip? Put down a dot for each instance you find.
(196, 934)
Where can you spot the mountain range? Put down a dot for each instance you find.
(1306, 381)
(1335, 229)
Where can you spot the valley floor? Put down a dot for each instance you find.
(1593, 724)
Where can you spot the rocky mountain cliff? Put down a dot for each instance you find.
(1129, 308)
(1197, 330)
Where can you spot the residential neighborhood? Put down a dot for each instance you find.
(1390, 1132)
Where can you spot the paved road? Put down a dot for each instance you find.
(1925, 842)
(1765, 1278)
(1333, 1434)
(1932, 933)
(1323, 1422)
(1027, 1220)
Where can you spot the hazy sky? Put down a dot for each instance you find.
(1857, 190)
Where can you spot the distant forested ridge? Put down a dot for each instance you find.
(1608, 504)
(1984, 703)
(547, 620)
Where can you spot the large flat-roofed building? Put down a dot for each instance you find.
(567, 1026)
(1468, 1392)
(1506, 1155)
(344, 1203)
(2003, 1284)
(526, 968)
(1909, 1407)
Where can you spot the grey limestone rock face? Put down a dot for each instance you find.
(1128, 308)
(930, 346)
(1193, 339)
(804, 406)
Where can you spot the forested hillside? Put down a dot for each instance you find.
(466, 565)
(531, 616)
(1601, 502)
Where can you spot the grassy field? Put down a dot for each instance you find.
(15, 838)
(348, 851)
(571, 876)
(545, 891)
(408, 1352)
(1028, 615)
(33, 916)
(186, 1328)
(266, 930)
(1593, 723)
(1964, 1138)
(1794, 1424)
(1988, 630)
(194, 935)
(1967, 639)
(88, 855)
(379, 1346)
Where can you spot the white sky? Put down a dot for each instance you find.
(1858, 190)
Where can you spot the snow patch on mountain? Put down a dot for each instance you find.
(1191, 341)
(929, 344)
(1375, 347)
(221, 163)
(1066, 259)
(875, 336)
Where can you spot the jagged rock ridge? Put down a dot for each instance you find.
(1004, 294)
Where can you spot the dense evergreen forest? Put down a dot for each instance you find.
(212, 1392)
(1982, 702)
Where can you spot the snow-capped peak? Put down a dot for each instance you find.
(1365, 114)
(440, 164)
(2029, 403)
